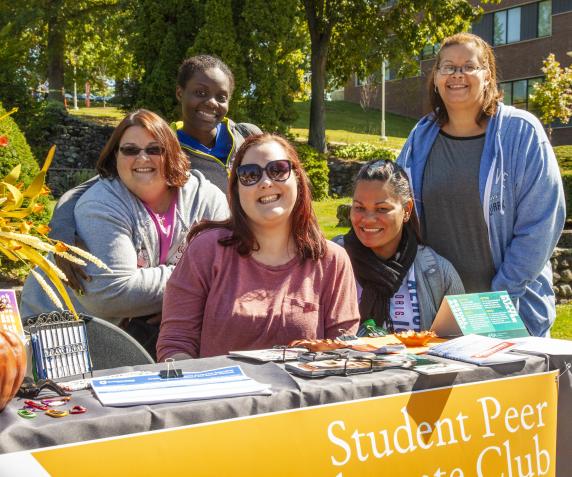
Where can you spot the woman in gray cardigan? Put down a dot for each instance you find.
(400, 281)
(135, 218)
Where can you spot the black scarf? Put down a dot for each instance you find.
(379, 278)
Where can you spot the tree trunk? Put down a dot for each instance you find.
(55, 54)
(317, 130)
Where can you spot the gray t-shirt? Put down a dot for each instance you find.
(454, 225)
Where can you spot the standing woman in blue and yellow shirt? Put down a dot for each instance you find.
(204, 87)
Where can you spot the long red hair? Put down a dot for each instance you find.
(309, 240)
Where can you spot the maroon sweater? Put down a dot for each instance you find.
(217, 301)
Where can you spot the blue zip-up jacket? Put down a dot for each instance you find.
(524, 212)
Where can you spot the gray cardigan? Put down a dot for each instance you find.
(117, 228)
(435, 277)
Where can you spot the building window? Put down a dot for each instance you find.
(545, 18)
(517, 93)
(520, 94)
(533, 20)
(500, 27)
(430, 51)
(506, 92)
(561, 6)
(506, 26)
(513, 30)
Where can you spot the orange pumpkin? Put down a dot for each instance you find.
(12, 366)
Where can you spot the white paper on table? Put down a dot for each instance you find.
(550, 346)
(477, 349)
(151, 389)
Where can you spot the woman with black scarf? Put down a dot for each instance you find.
(401, 282)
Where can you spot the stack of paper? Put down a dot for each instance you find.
(476, 349)
(151, 389)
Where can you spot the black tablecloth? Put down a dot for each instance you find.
(288, 393)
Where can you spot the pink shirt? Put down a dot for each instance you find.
(164, 223)
(217, 301)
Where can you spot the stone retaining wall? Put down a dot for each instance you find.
(78, 145)
(342, 173)
(562, 274)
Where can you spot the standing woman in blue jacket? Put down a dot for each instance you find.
(486, 183)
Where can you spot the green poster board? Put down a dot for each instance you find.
(488, 314)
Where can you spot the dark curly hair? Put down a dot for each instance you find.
(201, 63)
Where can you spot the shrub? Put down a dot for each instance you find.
(49, 115)
(567, 182)
(60, 180)
(364, 152)
(564, 157)
(14, 150)
(316, 168)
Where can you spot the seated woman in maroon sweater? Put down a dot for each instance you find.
(264, 277)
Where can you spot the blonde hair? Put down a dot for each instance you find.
(491, 94)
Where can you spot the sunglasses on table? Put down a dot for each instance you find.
(135, 151)
(250, 174)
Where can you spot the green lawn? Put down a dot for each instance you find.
(109, 116)
(349, 123)
(345, 122)
(326, 213)
(563, 325)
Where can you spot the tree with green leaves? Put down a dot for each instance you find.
(262, 41)
(354, 36)
(553, 96)
(47, 32)
(218, 37)
(162, 33)
(273, 37)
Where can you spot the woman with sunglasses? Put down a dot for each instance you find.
(265, 276)
(210, 139)
(135, 219)
(486, 183)
(401, 282)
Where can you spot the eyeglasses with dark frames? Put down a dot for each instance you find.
(250, 174)
(448, 70)
(131, 151)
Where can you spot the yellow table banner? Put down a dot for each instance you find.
(500, 428)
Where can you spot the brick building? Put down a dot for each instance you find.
(522, 34)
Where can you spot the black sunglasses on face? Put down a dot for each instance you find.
(135, 151)
(250, 174)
